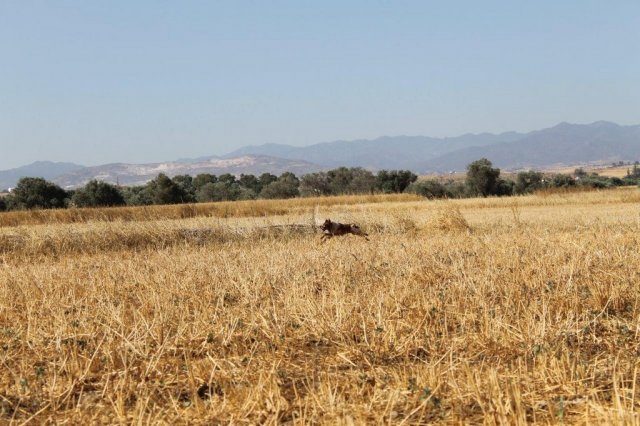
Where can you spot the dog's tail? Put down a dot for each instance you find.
(356, 230)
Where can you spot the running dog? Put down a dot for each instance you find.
(332, 229)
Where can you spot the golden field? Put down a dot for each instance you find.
(497, 311)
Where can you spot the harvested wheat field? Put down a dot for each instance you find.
(496, 311)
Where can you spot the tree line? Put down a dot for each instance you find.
(482, 180)
(38, 193)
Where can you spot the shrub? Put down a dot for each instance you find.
(394, 181)
(596, 182)
(429, 188)
(456, 189)
(562, 181)
(528, 182)
(503, 187)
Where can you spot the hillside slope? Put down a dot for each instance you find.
(136, 174)
(564, 144)
(44, 169)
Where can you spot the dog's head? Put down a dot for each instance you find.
(326, 225)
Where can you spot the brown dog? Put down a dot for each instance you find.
(331, 229)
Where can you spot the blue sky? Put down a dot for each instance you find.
(140, 81)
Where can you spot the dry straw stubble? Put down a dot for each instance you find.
(437, 326)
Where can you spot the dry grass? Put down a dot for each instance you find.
(496, 311)
(449, 218)
(224, 209)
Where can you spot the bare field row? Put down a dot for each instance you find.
(224, 209)
(499, 311)
(408, 216)
(271, 208)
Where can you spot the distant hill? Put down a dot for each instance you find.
(564, 144)
(137, 174)
(397, 152)
(43, 169)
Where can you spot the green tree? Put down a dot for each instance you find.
(163, 190)
(340, 180)
(201, 180)
(227, 178)
(635, 171)
(362, 182)
(136, 196)
(210, 192)
(219, 191)
(315, 184)
(185, 182)
(481, 178)
(246, 193)
(97, 194)
(266, 178)
(250, 182)
(32, 193)
(287, 186)
(347, 180)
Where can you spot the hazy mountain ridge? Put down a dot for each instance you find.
(138, 174)
(387, 152)
(43, 169)
(563, 144)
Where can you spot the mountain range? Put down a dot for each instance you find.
(137, 174)
(387, 152)
(561, 145)
(45, 169)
